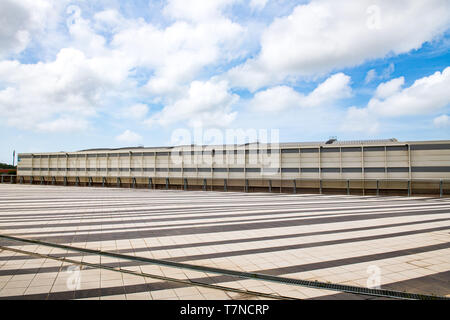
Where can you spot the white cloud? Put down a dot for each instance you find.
(137, 111)
(324, 35)
(110, 20)
(70, 87)
(82, 77)
(64, 124)
(206, 103)
(360, 121)
(276, 99)
(424, 96)
(179, 52)
(386, 74)
(387, 89)
(442, 121)
(196, 10)
(83, 36)
(181, 60)
(371, 75)
(258, 4)
(129, 136)
(20, 21)
(280, 98)
(334, 88)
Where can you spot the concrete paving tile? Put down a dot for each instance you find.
(163, 294)
(257, 248)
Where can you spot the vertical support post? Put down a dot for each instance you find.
(42, 180)
(103, 182)
(2, 179)
(246, 185)
(65, 181)
(12, 179)
(204, 184)
(225, 187)
(295, 187)
(77, 181)
(409, 188)
(150, 183)
(348, 187)
(118, 182)
(441, 189)
(270, 186)
(89, 181)
(31, 180)
(133, 185)
(167, 183)
(185, 187)
(21, 180)
(320, 186)
(53, 181)
(378, 188)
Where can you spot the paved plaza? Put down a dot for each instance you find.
(402, 242)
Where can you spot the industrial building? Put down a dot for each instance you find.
(353, 167)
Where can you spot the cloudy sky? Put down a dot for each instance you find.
(109, 73)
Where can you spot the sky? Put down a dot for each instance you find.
(104, 74)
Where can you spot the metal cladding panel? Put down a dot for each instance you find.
(373, 163)
(398, 175)
(190, 174)
(397, 157)
(253, 175)
(374, 159)
(330, 156)
(352, 175)
(352, 164)
(236, 175)
(175, 174)
(375, 150)
(25, 162)
(397, 149)
(431, 146)
(309, 157)
(431, 175)
(331, 175)
(374, 175)
(291, 163)
(431, 154)
(330, 165)
(309, 175)
(290, 156)
(148, 163)
(330, 170)
(136, 162)
(427, 156)
(330, 162)
(309, 164)
(351, 155)
(395, 164)
(221, 175)
(102, 163)
(440, 169)
(430, 163)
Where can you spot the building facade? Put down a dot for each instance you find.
(367, 166)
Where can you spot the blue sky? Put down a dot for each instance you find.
(82, 74)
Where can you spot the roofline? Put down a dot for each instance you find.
(386, 142)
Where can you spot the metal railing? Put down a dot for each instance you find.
(376, 187)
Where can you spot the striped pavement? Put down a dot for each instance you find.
(402, 242)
